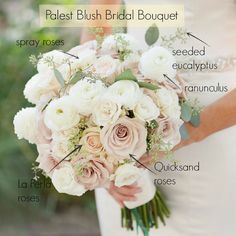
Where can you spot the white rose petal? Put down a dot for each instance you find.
(106, 66)
(61, 114)
(86, 94)
(156, 62)
(64, 181)
(40, 85)
(60, 145)
(125, 92)
(57, 57)
(86, 58)
(106, 112)
(127, 174)
(146, 109)
(88, 45)
(25, 124)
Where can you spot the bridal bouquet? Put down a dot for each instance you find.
(98, 109)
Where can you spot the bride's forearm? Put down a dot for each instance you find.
(221, 114)
(215, 117)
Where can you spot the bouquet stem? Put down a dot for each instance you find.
(146, 216)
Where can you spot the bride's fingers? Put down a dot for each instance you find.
(122, 198)
(145, 160)
(129, 190)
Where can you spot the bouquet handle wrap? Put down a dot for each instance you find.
(148, 191)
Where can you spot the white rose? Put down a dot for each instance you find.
(124, 92)
(119, 42)
(25, 124)
(86, 57)
(69, 69)
(106, 66)
(61, 114)
(127, 174)
(40, 85)
(106, 112)
(60, 145)
(146, 109)
(156, 62)
(56, 56)
(64, 181)
(86, 94)
(169, 102)
(88, 45)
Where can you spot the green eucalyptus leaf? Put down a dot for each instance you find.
(152, 35)
(183, 132)
(126, 75)
(186, 112)
(195, 119)
(148, 85)
(59, 77)
(78, 76)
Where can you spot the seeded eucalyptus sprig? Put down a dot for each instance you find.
(168, 40)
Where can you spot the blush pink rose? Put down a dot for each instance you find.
(91, 140)
(92, 171)
(169, 130)
(126, 136)
(45, 159)
(44, 135)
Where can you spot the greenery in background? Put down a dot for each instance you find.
(16, 157)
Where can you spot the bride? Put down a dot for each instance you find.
(202, 202)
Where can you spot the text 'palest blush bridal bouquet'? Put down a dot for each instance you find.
(98, 109)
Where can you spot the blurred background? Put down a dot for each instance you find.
(55, 214)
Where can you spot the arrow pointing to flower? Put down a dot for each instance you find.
(140, 163)
(70, 54)
(191, 35)
(78, 147)
(171, 81)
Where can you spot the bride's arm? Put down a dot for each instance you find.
(215, 117)
(86, 35)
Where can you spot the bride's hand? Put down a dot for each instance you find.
(125, 193)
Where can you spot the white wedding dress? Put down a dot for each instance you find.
(202, 203)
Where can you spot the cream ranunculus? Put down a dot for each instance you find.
(106, 112)
(61, 114)
(127, 174)
(86, 93)
(125, 92)
(106, 66)
(57, 57)
(155, 62)
(168, 102)
(41, 85)
(91, 140)
(126, 136)
(25, 124)
(64, 181)
(146, 109)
